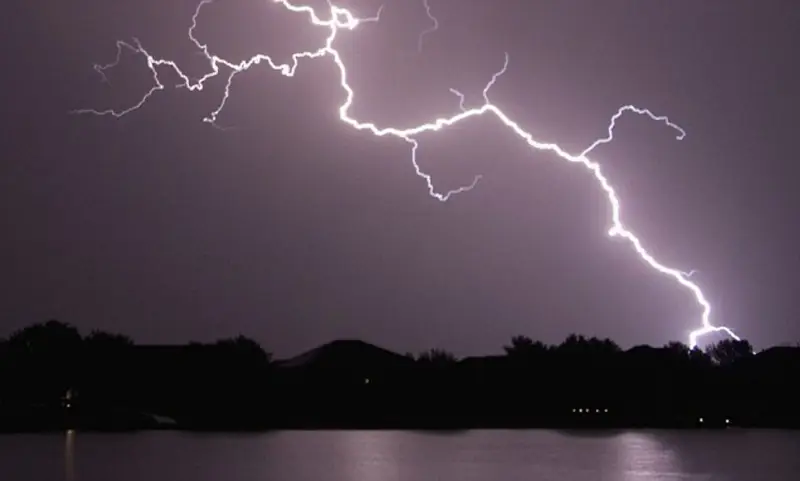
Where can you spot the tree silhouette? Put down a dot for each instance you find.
(236, 367)
(437, 358)
(244, 350)
(678, 349)
(573, 342)
(49, 338)
(45, 358)
(580, 347)
(523, 347)
(728, 351)
(105, 340)
(108, 366)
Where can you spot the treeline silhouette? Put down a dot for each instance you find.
(52, 377)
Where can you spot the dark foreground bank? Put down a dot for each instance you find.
(51, 378)
(111, 419)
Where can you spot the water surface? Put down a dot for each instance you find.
(732, 455)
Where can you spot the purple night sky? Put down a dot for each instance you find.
(294, 229)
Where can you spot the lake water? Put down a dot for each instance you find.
(731, 455)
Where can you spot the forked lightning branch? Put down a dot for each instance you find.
(336, 20)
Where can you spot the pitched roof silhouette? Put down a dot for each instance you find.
(345, 354)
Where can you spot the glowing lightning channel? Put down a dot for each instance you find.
(430, 29)
(343, 19)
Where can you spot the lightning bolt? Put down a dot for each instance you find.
(431, 29)
(342, 19)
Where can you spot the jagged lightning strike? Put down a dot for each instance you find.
(342, 19)
(434, 24)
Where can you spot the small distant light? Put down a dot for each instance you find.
(574, 410)
(727, 421)
(605, 410)
(580, 410)
(701, 420)
(597, 410)
(366, 380)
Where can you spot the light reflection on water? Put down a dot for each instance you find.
(644, 457)
(394, 456)
(69, 455)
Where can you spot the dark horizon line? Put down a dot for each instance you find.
(119, 337)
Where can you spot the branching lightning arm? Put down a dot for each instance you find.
(341, 19)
